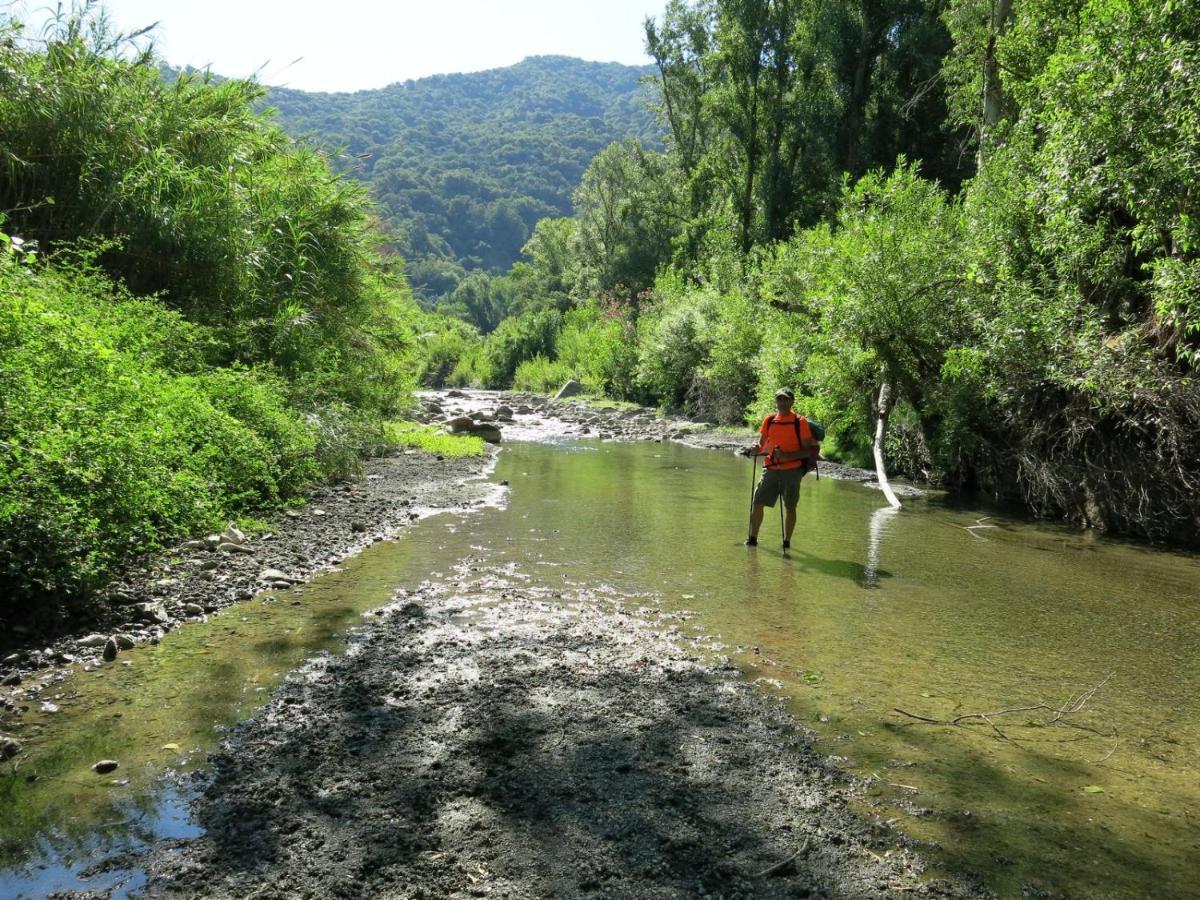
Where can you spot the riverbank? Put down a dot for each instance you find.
(206, 574)
(495, 735)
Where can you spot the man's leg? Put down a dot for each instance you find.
(789, 524)
(756, 517)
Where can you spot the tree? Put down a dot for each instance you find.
(884, 287)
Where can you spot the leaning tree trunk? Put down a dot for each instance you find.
(882, 410)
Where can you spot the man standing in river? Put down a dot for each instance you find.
(790, 450)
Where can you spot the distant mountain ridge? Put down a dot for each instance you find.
(464, 165)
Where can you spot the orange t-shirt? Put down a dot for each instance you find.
(780, 431)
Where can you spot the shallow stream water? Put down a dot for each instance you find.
(935, 610)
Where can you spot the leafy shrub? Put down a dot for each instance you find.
(105, 450)
(542, 375)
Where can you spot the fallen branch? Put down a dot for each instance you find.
(1059, 715)
(779, 866)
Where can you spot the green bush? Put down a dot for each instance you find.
(541, 375)
(112, 443)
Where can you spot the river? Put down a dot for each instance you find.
(935, 610)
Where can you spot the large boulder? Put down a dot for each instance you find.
(459, 424)
(571, 389)
(488, 431)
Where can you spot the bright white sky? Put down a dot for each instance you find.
(349, 45)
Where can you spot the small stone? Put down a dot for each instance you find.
(8, 748)
(105, 766)
(48, 707)
(195, 545)
(212, 541)
(233, 535)
(111, 649)
(273, 575)
(358, 527)
(93, 640)
(209, 564)
(124, 641)
(230, 547)
(193, 609)
(13, 659)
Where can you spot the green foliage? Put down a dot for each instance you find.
(112, 440)
(203, 202)
(427, 439)
(516, 340)
(542, 375)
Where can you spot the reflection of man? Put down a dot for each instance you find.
(787, 443)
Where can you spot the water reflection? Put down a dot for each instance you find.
(879, 523)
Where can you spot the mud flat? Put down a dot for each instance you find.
(494, 736)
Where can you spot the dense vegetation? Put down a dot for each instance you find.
(975, 221)
(194, 320)
(464, 166)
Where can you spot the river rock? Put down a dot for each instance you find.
(14, 659)
(124, 641)
(274, 575)
(12, 679)
(459, 424)
(230, 547)
(105, 766)
(212, 541)
(152, 612)
(358, 527)
(455, 393)
(195, 545)
(193, 609)
(487, 431)
(110, 649)
(233, 534)
(571, 389)
(9, 748)
(504, 412)
(93, 640)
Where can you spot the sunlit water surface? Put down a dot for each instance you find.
(933, 610)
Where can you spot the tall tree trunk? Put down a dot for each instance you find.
(856, 113)
(883, 409)
(995, 104)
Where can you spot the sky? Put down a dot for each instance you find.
(348, 45)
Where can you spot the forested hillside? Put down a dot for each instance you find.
(969, 227)
(463, 166)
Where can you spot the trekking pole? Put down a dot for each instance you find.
(753, 471)
(782, 535)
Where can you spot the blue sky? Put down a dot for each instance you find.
(348, 45)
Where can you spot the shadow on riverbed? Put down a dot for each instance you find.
(524, 758)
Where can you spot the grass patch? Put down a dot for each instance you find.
(414, 435)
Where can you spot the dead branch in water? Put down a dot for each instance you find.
(1059, 714)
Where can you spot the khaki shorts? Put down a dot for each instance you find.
(775, 482)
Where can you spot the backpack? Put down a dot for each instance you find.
(818, 433)
(817, 429)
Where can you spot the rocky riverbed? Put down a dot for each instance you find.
(493, 735)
